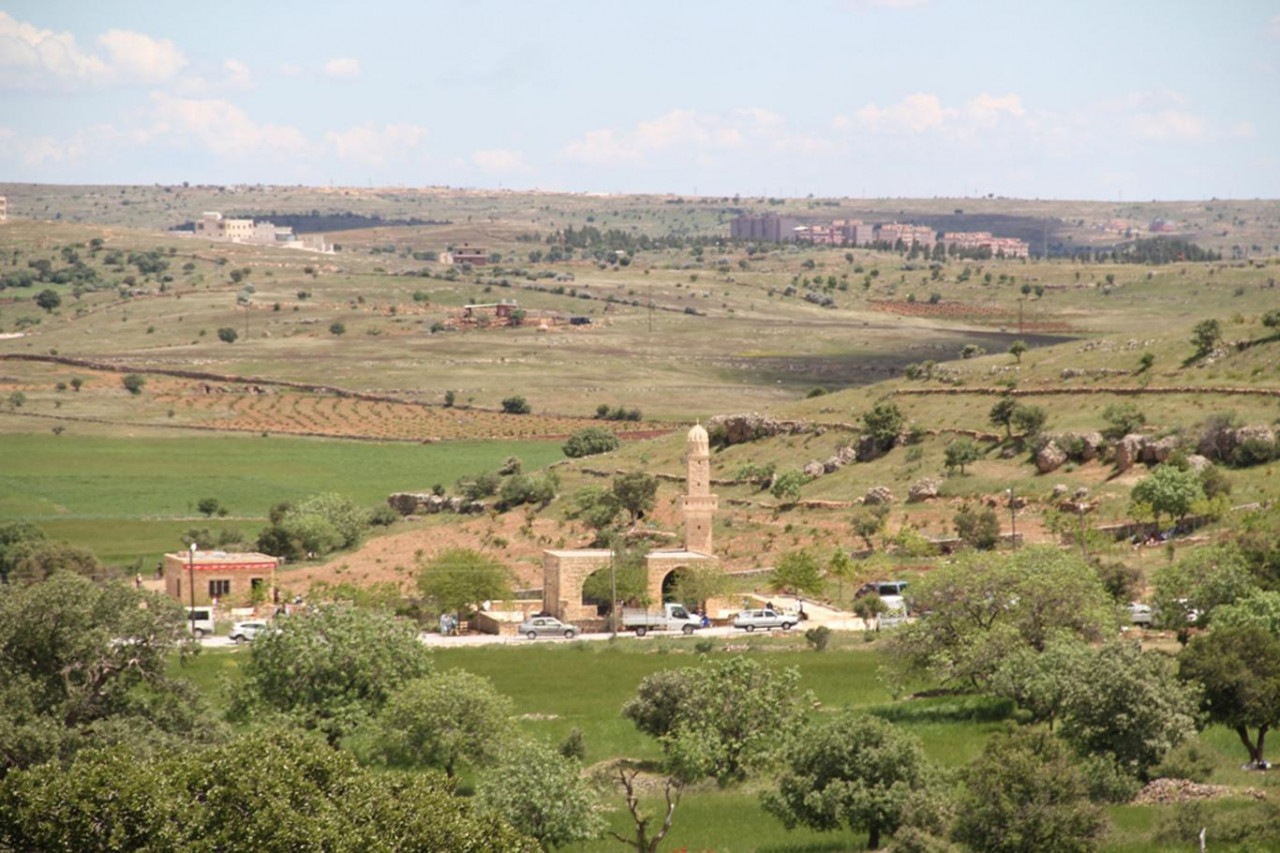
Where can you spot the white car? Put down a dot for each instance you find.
(244, 632)
(1140, 614)
(548, 626)
(749, 620)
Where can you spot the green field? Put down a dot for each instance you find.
(127, 499)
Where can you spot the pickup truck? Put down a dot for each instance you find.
(672, 617)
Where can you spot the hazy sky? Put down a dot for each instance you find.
(1068, 99)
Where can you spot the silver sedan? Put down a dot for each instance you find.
(548, 626)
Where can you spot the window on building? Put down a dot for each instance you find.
(256, 583)
(219, 588)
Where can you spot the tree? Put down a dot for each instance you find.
(854, 770)
(1001, 414)
(34, 560)
(635, 492)
(1016, 349)
(540, 793)
(884, 424)
(1205, 336)
(48, 300)
(1146, 362)
(961, 452)
(842, 568)
(516, 406)
(869, 608)
(1198, 584)
(331, 668)
(1029, 420)
(696, 584)
(869, 522)
(325, 522)
(442, 720)
(1259, 609)
(1024, 795)
(337, 328)
(133, 383)
(797, 572)
(590, 441)
(671, 791)
(978, 527)
(1167, 491)
(1238, 669)
(983, 606)
(83, 664)
(595, 507)
(1123, 419)
(719, 719)
(458, 579)
(1129, 704)
(227, 334)
(12, 535)
(208, 506)
(284, 790)
(1041, 681)
(787, 485)
(76, 383)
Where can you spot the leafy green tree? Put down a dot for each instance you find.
(443, 720)
(961, 452)
(13, 534)
(1016, 349)
(1041, 681)
(228, 335)
(1259, 609)
(1001, 414)
(331, 668)
(48, 300)
(1238, 668)
(841, 567)
(696, 584)
(787, 485)
(722, 718)
(635, 492)
(855, 771)
(76, 383)
(1146, 362)
(884, 423)
(516, 406)
(1029, 420)
(978, 527)
(337, 328)
(868, 522)
(983, 606)
(133, 383)
(540, 793)
(326, 522)
(458, 579)
(1122, 419)
(1024, 795)
(594, 507)
(32, 560)
(797, 572)
(208, 506)
(1205, 336)
(283, 790)
(1199, 583)
(869, 608)
(590, 441)
(1168, 491)
(1129, 704)
(83, 664)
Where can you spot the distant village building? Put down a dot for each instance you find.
(767, 228)
(214, 226)
(1163, 226)
(222, 575)
(1008, 247)
(892, 232)
(466, 254)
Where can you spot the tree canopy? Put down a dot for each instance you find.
(1238, 668)
(540, 793)
(458, 579)
(1168, 491)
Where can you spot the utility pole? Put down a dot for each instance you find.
(613, 593)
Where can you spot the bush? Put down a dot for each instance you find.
(1124, 418)
(1190, 761)
(337, 329)
(227, 334)
(133, 383)
(516, 406)
(818, 638)
(590, 441)
(979, 528)
(383, 516)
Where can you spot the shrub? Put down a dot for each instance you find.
(227, 334)
(133, 383)
(979, 528)
(818, 638)
(337, 329)
(590, 441)
(1123, 418)
(516, 406)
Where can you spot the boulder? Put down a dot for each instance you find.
(878, 495)
(1157, 451)
(1081, 493)
(1197, 463)
(923, 489)
(867, 449)
(1059, 491)
(1090, 445)
(1050, 457)
(728, 430)
(1128, 449)
(814, 469)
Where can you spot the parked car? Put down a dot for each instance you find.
(245, 632)
(548, 626)
(892, 593)
(1140, 614)
(749, 620)
(199, 621)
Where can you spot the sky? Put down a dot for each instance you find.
(1129, 100)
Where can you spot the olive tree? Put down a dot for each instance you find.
(853, 770)
(1238, 668)
(459, 579)
(1168, 491)
(540, 793)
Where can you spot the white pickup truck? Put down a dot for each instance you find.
(672, 617)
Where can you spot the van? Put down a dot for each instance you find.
(199, 620)
(890, 592)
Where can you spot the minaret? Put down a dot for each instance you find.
(699, 504)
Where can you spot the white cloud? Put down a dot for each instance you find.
(500, 161)
(373, 146)
(222, 128)
(1243, 128)
(1168, 125)
(342, 68)
(701, 134)
(233, 76)
(290, 69)
(923, 112)
(1274, 27)
(915, 113)
(33, 58)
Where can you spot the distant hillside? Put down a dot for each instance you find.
(317, 223)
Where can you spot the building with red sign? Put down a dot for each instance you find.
(230, 578)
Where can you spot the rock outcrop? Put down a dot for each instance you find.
(728, 430)
(878, 495)
(923, 489)
(1050, 457)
